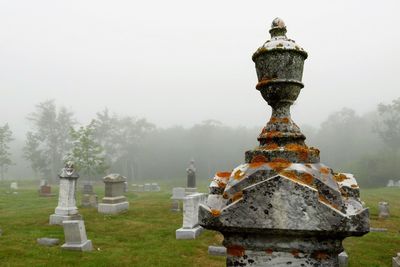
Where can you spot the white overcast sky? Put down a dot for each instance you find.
(182, 62)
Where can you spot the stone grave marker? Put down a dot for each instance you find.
(178, 194)
(383, 209)
(114, 200)
(75, 236)
(191, 228)
(66, 208)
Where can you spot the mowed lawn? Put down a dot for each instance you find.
(145, 235)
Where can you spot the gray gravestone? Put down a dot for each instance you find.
(147, 187)
(383, 208)
(343, 259)
(66, 208)
(191, 228)
(217, 251)
(282, 206)
(14, 186)
(178, 194)
(396, 261)
(114, 200)
(191, 178)
(45, 241)
(75, 236)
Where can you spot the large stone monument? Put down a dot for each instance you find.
(66, 208)
(191, 178)
(114, 200)
(282, 207)
(190, 227)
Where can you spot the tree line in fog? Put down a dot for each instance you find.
(366, 145)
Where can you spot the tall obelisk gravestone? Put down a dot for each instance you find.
(66, 208)
(282, 207)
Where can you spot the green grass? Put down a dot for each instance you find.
(145, 235)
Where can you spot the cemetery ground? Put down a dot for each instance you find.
(145, 235)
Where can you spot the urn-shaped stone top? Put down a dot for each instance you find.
(114, 178)
(279, 41)
(68, 172)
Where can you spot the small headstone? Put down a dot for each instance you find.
(343, 259)
(397, 184)
(114, 200)
(42, 182)
(134, 187)
(14, 186)
(89, 201)
(45, 241)
(191, 178)
(390, 183)
(383, 210)
(217, 250)
(75, 236)
(45, 191)
(175, 206)
(155, 187)
(147, 187)
(191, 228)
(396, 261)
(88, 189)
(140, 188)
(178, 193)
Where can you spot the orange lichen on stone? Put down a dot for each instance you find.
(320, 255)
(225, 195)
(326, 201)
(237, 196)
(325, 170)
(354, 186)
(273, 134)
(308, 165)
(273, 120)
(221, 184)
(285, 120)
(270, 146)
(304, 178)
(279, 120)
(223, 174)
(236, 250)
(215, 213)
(269, 251)
(238, 175)
(279, 164)
(257, 161)
(302, 150)
(340, 177)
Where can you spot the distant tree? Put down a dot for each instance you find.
(51, 130)
(5, 155)
(86, 153)
(36, 156)
(388, 126)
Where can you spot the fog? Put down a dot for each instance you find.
(183, 62)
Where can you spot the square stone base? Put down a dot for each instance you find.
(183, 233)
(85, 246)
(116, 208)
(56, 219)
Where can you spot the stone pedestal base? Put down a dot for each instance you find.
(116, 208)
(183, 233)
(57, 219)
(85, 246)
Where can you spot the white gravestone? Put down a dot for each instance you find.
(191, 228)
(114, 200)
(178, 193)
(343, 259)
(155, 187)
(396, 261)
(14, 186)
(383, 210)
(147, 187)
(66, 208)
(75, 236)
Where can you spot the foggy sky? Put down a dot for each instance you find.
(181, 62)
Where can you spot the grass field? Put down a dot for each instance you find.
(145, 235)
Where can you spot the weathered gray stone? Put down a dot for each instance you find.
(134, 187)
(155, 187)
(282, 206)
(378, 229)
(390, 183)
(45, 191)
(140, 188)
(75, 236)
(191, 176)
(383, 209)
(175, 206)
(147, 187)
(89, 201)
(88, 188)
(396, 261)
(190, 227)
(217, 251)
(46, 241)
(114, 201)
(178, 193)
(66, 208)
(343, 259)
